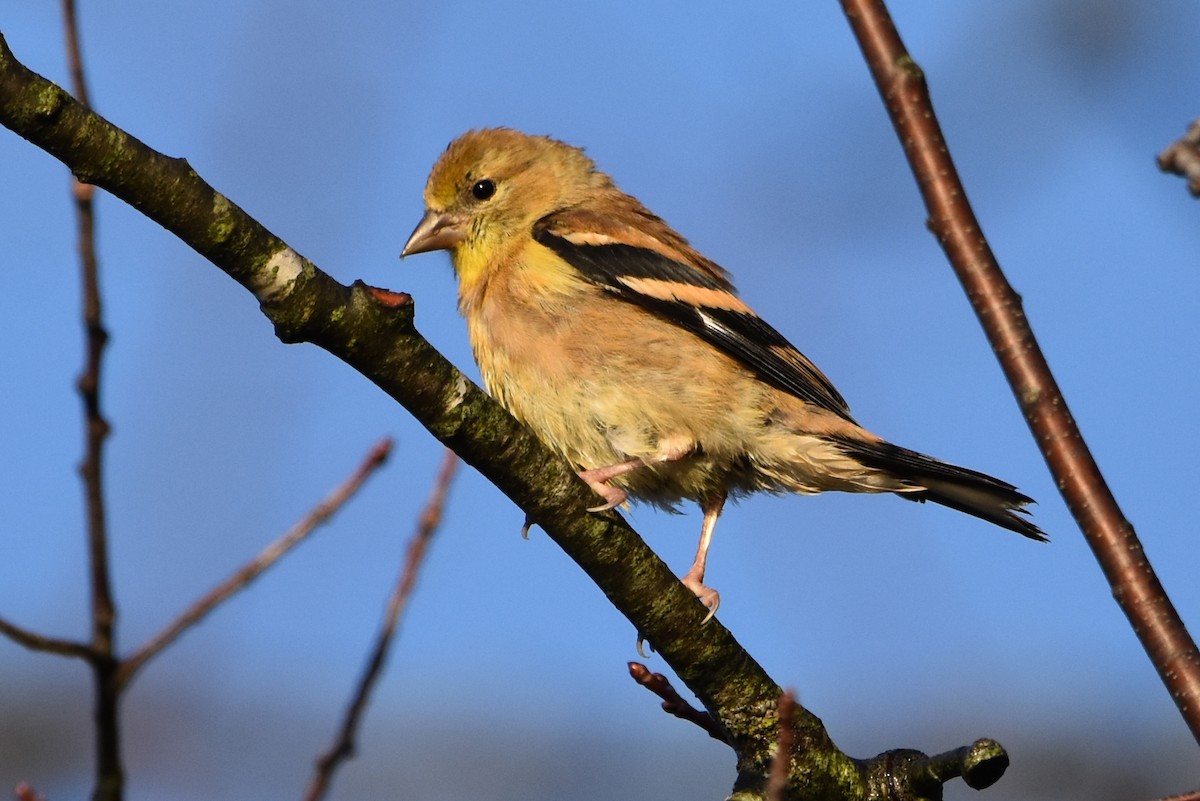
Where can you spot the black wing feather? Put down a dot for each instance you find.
(959, 488)
(745, 337)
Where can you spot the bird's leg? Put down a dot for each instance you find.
(694, 578)
(598, 477)
(669, 450)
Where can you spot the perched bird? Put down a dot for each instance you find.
(631, 354)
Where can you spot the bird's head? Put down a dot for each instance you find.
(491, 185)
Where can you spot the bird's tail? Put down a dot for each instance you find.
(966, 490)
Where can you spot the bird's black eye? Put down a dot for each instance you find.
(483, 189)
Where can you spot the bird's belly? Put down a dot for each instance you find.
(599, 402)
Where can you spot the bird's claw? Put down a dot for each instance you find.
(613, 496)
(705, 594)
(604, 507)
(598, 477)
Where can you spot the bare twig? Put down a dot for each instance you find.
(109, 772)
(343, 747)
(97, 428)
(74, 54)
(672, 703)
(256, 566)
(1182, 157)
(1193, 795)
(51, 645)
(786, 740)
(1111, 537)
(24, 792)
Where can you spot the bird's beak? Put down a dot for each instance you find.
(437, 230)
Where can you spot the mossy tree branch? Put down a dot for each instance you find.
(372, 330)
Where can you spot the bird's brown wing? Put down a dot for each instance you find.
(657, 276)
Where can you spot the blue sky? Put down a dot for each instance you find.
(757, 133)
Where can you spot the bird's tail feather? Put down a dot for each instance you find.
(957, 487)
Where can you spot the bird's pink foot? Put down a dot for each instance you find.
(613, 496)
(598, 477)
(707, 595)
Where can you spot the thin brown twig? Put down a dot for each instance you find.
(785, 741)
(343, 747)
(673, 703)
(89, 382)
(24, 792)
(256, 566)
(74, 54)
(1193, 795)
(109, 771)
(50, 645)
(1111, 537)
(1182, 157)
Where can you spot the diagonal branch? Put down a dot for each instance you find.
(672, 702)
(50, 645)
(1111, 537)
(248, 572)
(427, 525)
(1192, 795)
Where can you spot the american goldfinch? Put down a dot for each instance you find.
(631, 354)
